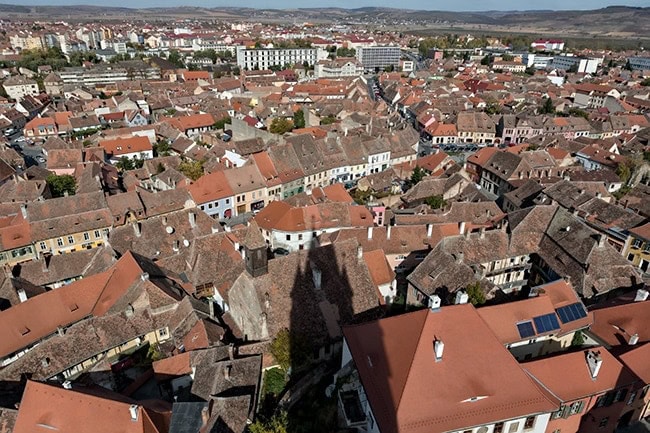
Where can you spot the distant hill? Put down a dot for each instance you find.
(614, 21)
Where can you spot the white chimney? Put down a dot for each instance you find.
(144, 276)
(22, 296)
(461, 297)
(641, 295)
(594, 362)
(429, 230)
(317, 276)
(205, 416)
(360, 252)
(438, 349)
(23, 210)
(226, 371)
(192, 217)
(177, 245)
(388, 229)
(370, 232)
(633, 339)
(67, 384)
(461, 227)
(602, 240)
(137, 229)
(482, 232)
(133, 409)
(434, 302)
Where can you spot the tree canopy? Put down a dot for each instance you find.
(191, 169)
(299, 119)
(60, 185)
(475, 294)
(436, 201)
(280, 125)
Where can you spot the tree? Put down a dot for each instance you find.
(191, 169)
(436, 201)
(281, 349)
(646, 82)
(221, 123)
(417, 175)
(547, 107)
(125, 164)
(60, 185)
(175, 57)
(485, 60)
(299, 119)
(475, 294)
(507, 58)
(161, 148)
(328, 120)
(578, 339)
(281, 125)
(277, 424)
(624, 172)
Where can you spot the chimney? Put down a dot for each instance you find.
(459, 257)
(60, 331)
(205, 416)
(504, 225)
(231, 351)
(461, 227)
(137, 229)
(388, 229)
(133, 409)
(602, 240)
(44, 263)
(461, 297)
(438, 349)
(176, 245)
(164, 220)
(641, 295)
(192, 217)
(599, 195)
(434, 303)
(429, 230)
(482, 233)
(22, 296)
(317, 276)
(67, 385)
(226, 371)
(633, 339)
(144, 276)
(370, 232)
(360, 252)
(23, 210)
(215, 229)
(594, 362)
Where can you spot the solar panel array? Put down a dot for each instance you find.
(546, 323)
(526, 329)
(571, 312)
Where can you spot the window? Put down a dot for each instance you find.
(162, 332)
(630, 400)
(70, 240)
(300, 236)
(59, 242)
(529, 423)
(513, 427)
(86, 236)
(620, 395)
(288, 237)
(97, 234)
(576, 407)
(227, 201)
(637, 243)
(498, 427)
(42, 245)
(603, 422)
(210, 206)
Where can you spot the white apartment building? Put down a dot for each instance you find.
(341, 67)
(584, 65)
(264, 58)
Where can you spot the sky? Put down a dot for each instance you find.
(446, 5)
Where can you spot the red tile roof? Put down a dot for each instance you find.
(409, 390)
(211, 187)
(122, 146)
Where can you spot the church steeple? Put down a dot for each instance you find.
(255, 254)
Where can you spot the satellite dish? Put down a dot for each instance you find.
(186, 242)
(169, 230)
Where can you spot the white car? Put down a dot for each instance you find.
(19, 139)
(40, 159)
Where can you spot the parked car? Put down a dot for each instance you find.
(40, 159)
(280, 252)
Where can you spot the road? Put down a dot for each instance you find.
(30, 152)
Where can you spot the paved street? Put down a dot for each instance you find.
(30, 152)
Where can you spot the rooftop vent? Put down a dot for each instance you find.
(438, 349)
(594, 362)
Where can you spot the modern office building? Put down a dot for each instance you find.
(379, 57)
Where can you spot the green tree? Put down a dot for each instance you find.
(475, 294)
(191, 169)
(417, 175)
(578, 339)
(125, 164)
(60, 185)
(624, 172)
(175, 57)
(277, 424)
(485, 60)
(346, 52)
(507, 58)
(436, 201)
(646, 82)
(161, 148)
(299, 119)
(547, 107)
(281, 349)
(221, 123)
(280, 125)
(328, 120)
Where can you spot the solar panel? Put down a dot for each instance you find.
(572, 312)
(546, 323)
(526, 329)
